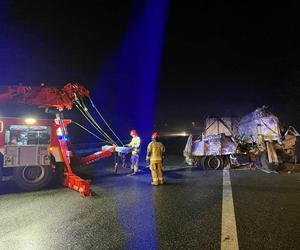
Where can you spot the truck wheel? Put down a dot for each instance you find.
(1, 173)
(215, 162)
(203, 162)
(199, 163)
(32, 178)
(1, 166)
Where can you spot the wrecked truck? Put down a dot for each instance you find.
(257, 139)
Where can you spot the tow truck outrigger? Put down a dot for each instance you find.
(33, 158)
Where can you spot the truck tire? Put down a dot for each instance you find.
(1, 166)
(203, 162)
(215, 162)
(200, 162)
(32, 178)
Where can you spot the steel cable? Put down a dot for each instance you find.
(87, 130)
(93, 105)
(93, 120)
(88, 119)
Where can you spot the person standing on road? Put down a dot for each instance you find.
(155, 152)
(135, 144)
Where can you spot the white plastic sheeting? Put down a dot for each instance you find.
(257, 124)
(214, 145)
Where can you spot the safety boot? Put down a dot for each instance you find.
(132, 173)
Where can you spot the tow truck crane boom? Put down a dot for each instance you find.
(44, 96)
(60, 99)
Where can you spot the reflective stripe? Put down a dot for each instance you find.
(155, 151)
(135, 144)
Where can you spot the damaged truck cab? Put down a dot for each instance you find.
(255, 138)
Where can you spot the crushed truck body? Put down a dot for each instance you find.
(256, 138)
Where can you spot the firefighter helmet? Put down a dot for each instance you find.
(155, 135)
(133, 132)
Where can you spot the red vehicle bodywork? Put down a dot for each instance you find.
(60, 148)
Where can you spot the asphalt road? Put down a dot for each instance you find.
(126, 212)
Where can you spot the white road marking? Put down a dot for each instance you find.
(229, 239)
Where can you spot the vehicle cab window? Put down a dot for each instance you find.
(27, 135)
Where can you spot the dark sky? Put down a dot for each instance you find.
(218, 58)
(228, 58)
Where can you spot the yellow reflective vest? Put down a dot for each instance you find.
(155, 151)
(135, 144)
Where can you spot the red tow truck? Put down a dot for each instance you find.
(33, 150)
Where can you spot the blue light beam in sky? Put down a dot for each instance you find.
(131, 75)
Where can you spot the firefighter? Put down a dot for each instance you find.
(135, 144)
(155, 151)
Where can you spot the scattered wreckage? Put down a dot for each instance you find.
(257, 139)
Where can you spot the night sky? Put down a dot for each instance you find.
(217, 58)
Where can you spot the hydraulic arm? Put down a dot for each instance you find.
(44, 96)
(60, 99)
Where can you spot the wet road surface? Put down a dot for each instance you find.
(126, 212)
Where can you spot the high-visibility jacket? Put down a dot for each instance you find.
(135, 144)
(155, 151)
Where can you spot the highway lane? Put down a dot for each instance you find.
(126, 212)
